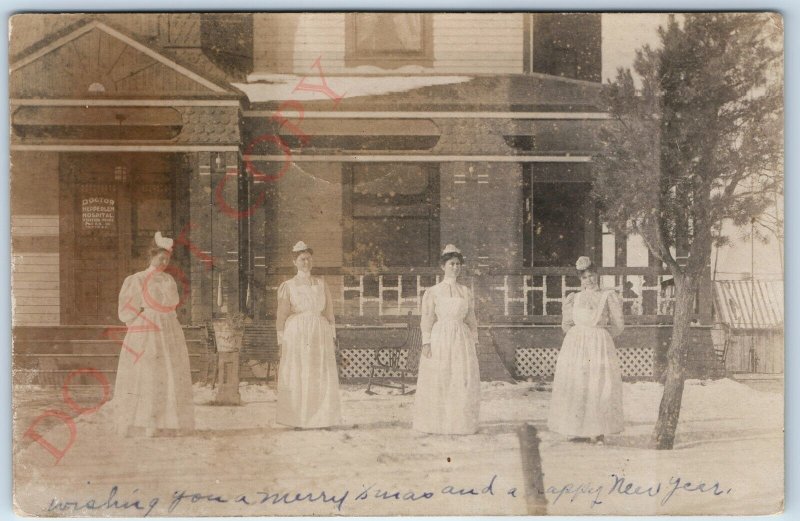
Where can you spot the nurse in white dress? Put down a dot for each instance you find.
(153, 387)
(587, 389)
(447, 398)
(308, 379)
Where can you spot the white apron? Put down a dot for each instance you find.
(153, 388)
(447, 398)
(308, 379)
(587, 387)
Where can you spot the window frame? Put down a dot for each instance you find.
(349, 218)
(388, 59)
(564, 174)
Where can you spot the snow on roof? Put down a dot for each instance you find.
(278, 87)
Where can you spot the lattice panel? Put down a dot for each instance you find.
(356, 363)
(536, 361)
(541, 361)
(383, 357)
(529, 361)
(636, 361)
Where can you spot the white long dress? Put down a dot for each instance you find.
(587, 388)
(153, 388)
(308, 379)
(447, 398)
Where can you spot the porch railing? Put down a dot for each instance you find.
(534, 293)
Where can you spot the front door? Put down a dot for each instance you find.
(111, 205)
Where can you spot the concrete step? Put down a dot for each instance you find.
(47, 355)
(84, 347)
(99, 332)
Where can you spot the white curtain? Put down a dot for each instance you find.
(386, 32)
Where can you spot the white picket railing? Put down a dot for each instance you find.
(533, 292)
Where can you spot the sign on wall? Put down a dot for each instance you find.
(98, 213)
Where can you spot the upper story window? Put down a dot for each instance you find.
(389, 40)
(563, 44)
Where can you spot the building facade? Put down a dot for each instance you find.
(377, 138)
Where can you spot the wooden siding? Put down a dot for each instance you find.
(35, 288)
(755, 352)
(463, 43)
(34, 235)
(34, 225)
(478, 43)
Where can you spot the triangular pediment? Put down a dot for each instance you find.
(97, 60)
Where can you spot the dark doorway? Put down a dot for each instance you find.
(110, 207)
(556, 223)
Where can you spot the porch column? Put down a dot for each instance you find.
(225, 224)
(621, 250)
(591, 237)
(258, 232)
(198, 233)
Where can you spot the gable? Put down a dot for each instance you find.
(97, 60)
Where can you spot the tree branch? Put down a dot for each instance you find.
(660, 249)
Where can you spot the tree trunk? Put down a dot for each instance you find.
(670, 408)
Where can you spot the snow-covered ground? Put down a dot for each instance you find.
(728, 459)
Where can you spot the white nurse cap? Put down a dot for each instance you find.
(163, 242)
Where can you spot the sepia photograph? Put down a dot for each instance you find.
(397, 263)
